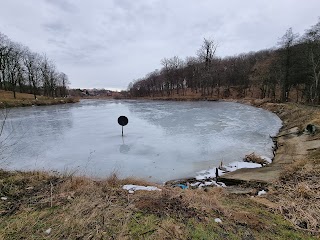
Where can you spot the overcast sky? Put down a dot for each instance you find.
(109, 43)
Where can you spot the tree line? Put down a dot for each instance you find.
(22, 70)
(288, 72)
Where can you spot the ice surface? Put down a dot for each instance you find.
(163, 140)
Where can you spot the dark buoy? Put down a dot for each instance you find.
(123, 120)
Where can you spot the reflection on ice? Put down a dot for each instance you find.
(124, 148)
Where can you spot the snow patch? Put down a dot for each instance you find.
(262, 192)
(211, 173)
(208, 183)
(269, 160)
(132, 188)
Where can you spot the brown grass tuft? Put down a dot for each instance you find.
(252, 157)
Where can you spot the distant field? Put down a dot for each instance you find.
(25, 99)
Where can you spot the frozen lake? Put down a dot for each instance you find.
(163, 140)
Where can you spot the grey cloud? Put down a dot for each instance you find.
(109, 43)
(64, 5)
(56, 28)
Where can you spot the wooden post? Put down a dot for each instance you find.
(217, 175)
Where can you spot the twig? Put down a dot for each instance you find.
(149, 231)
(51, 190)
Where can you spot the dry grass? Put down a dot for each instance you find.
(295, 115)
(297, 193)
(24, 99)
(252, 157)
(83, 208)
(8, 95)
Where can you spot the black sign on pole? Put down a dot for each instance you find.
(123, 120)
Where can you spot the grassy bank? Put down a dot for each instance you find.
(81, 208)
(296, 194)
(24, 99)
(76, 207)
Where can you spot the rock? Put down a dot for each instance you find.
(262, 192)
(218, 220)
(4, 198)
(311, 129)
(48, 231)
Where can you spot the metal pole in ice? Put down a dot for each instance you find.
(123, 121)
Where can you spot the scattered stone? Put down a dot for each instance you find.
(218, 220)
(262, 192)
(4, 198)
(311, 129)
(48, 231)
(29, 188)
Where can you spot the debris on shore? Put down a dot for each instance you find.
(132, 188)
(210, 177)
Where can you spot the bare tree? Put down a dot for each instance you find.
(15, 67)
(63, 82)
(206, 55)
(5, 50)
(32, 63)
(287, 41)
(312, 39)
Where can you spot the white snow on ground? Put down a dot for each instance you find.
(194, 184)
(237, 165)
(269, 160)
(262, 192)
(211, 183)
(131, 188)
(211, 173)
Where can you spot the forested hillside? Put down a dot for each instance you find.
(22, 70)
(288, 72)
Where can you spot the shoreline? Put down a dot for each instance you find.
(290, 135)
(42, 102)
(207, 177)
(259, 175)
(28, 100)
(254, 174)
